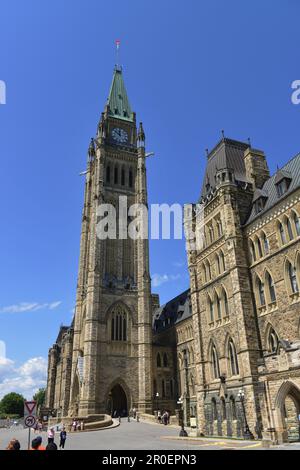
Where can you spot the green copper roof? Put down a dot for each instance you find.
(118, 100)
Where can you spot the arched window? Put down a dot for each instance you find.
(214, 409)
(260, 253)
(261, 292)
(271, 287)
(266, 244)
(119, 325)
(210, 309)
(208, 271)
(219, 311)
(116, 175)
(232, 408)
(165, 360)
(225, 300)
(234, 365)
(215, 363)
(296, 221)
(293, 278)
(273, 341)
(218, 264)
(282, 233)
(158, 360)
(123, 177)
(289, 229)
(211, 234)
(108, 174)
(130, 178)
(252, 251)
(223, 408)
(219, 227)
(222, 262)
(203, 269)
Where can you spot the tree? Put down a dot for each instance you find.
(12, 404)
(39, 397)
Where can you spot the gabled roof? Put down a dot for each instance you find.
(291, 171)
(227, 154)
(176, 310)
(258, 193)
(118, 100)
(281, 175)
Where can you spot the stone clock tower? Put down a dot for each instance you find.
(112, 335)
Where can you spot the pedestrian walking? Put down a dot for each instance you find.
(134, 413)
(51, 435)
(159, 417)
(63, 437)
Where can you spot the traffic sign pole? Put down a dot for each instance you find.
(28, 447)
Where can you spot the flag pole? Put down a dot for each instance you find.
(118, 42)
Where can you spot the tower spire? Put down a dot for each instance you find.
(118, 101)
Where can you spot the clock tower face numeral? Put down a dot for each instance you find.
(119, 135)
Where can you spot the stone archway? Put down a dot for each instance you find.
(287, 411)
(118, 401)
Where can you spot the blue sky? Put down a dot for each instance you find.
(191, 69)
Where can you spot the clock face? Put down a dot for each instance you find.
(119, 135)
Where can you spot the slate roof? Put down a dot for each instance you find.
(228, 153)
(291, 170)
(172, 312)
(118, 100)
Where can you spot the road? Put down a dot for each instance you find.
(138, 436)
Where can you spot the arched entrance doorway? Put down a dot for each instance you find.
(291, 412)
(119, 404)
(288, 411)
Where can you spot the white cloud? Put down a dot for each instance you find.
(178, 264)
(159, 279)
(29, 307)
(26, 379)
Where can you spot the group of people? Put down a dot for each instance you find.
(37, 442)
(77, 425)
(164, 417)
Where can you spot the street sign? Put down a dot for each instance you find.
(29, 421)
(29, 408)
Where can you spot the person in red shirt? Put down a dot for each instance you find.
(37, 444)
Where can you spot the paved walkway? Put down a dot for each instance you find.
(135, 436)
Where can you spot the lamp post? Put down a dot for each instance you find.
(157, 397)
(247, 433)
(183, 432)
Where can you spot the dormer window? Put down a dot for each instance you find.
(282, 181)
(282, 187)
(259, 200)
(259, 205)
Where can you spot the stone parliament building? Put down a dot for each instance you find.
(229, 346)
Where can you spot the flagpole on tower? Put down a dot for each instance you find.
(118, 42)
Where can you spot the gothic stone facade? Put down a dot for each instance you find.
(230, 345)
